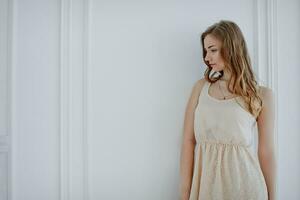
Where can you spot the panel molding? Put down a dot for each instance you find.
(11, 120)
(65, 99)
(74, 64)
(266, 52)
(265, 58)
(273, 68)
(85, 100)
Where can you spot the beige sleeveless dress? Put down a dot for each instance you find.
(226, 166)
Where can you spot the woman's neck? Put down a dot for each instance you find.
(226, 76)
(224, 80)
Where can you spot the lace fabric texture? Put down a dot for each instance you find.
(225, 165)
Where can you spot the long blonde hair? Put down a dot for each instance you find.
(237, 61)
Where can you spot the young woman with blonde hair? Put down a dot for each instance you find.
(218, 159)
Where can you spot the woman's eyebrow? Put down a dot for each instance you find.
(209, 46)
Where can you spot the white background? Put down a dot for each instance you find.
(93, 93)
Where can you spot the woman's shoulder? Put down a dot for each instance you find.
(197, 87)
(200, 83)
(264, 90)
(266, 93)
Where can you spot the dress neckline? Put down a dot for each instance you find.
(215, 99)
(227, 101)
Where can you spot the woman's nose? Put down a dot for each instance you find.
(206, 57)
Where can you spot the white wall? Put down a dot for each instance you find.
(99, 91)
(144, 58)
(4, 101)
(289, 98)
(36, 100)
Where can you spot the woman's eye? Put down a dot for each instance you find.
(213, 50)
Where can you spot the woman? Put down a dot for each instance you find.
(218, 159)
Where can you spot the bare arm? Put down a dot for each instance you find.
(266, 146)
(188, 144)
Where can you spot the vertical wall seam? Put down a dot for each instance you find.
(86, 62)
(64, 97)
(11, 42)
(273, 67)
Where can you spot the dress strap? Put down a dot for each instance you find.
(207, 84)
(203, 92)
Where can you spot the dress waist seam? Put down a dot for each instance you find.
(209, 142)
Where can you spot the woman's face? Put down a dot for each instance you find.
(213, 53)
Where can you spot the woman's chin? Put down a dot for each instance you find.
(216, 69)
